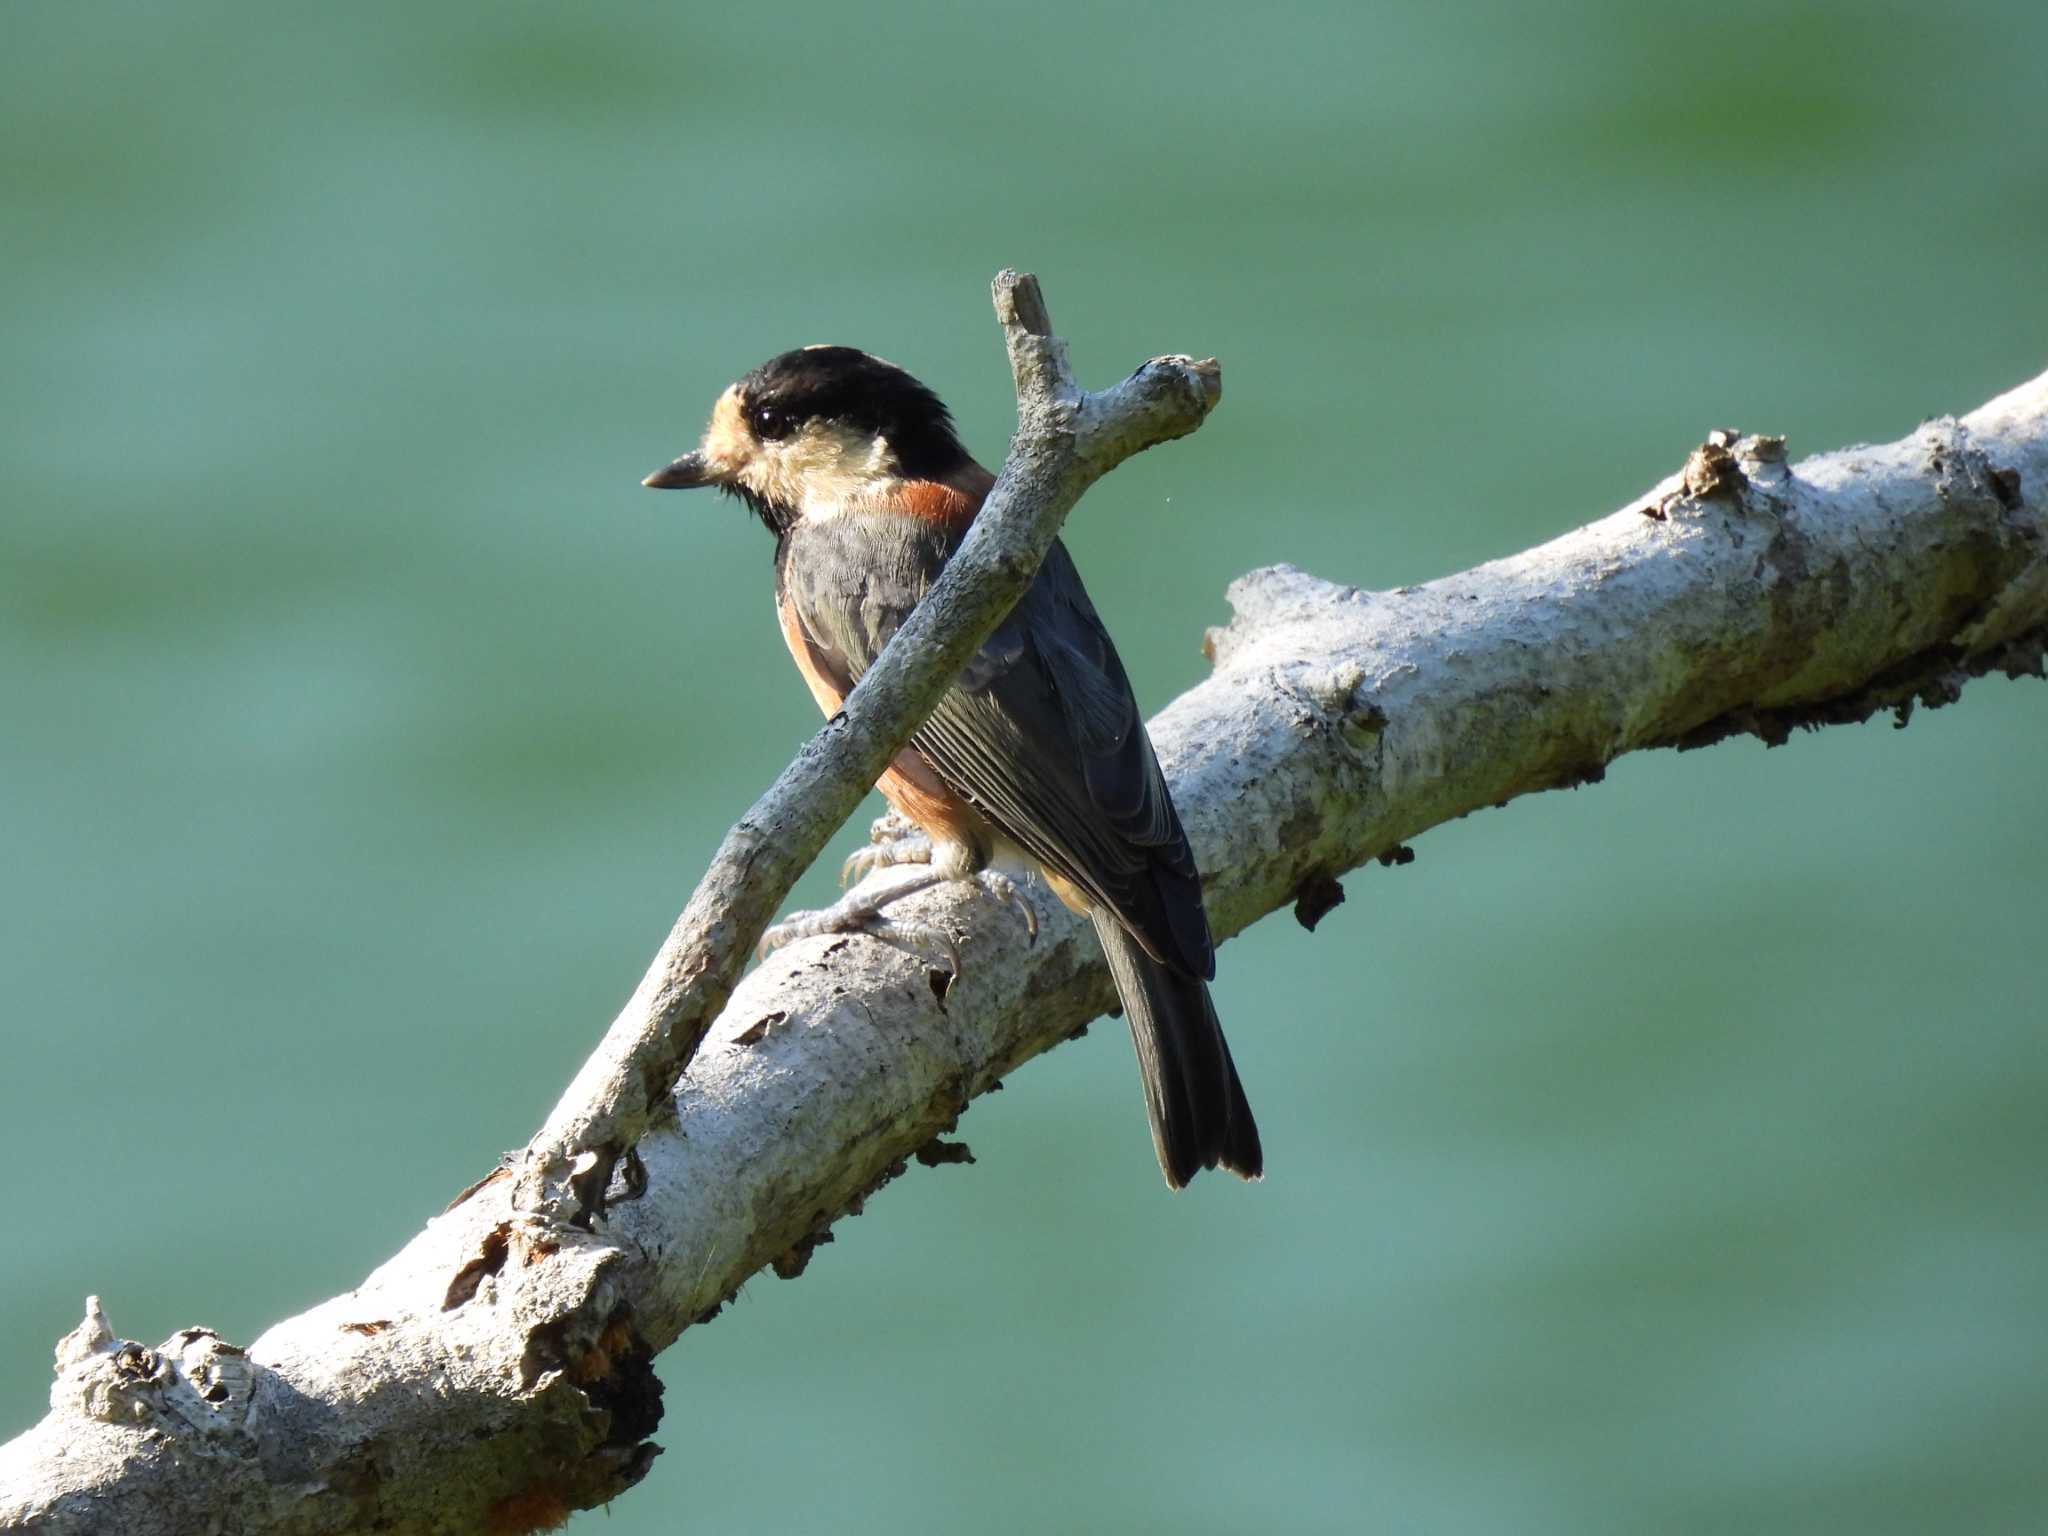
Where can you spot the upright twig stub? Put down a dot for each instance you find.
(1020, 303)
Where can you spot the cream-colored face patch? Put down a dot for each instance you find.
(820, 469)
(728, 442)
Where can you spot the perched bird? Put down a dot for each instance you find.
(1036, 755)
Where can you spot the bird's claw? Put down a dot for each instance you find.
(890, 848)
(1003, 888)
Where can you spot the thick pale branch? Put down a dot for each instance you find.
(500, 1364)
(1742, 595)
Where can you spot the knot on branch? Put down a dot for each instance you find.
(196, 1386)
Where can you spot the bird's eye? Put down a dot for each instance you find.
(768, 422)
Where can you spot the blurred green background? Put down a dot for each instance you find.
(1664, 1156)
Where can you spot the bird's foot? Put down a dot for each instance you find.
(860, 911)
(894, 841)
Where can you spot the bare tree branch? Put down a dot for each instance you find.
(496, 1373)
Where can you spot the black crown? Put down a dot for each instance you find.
(846, 385)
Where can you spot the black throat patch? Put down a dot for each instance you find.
(775, 516)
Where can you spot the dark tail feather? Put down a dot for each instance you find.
(1197, 1106)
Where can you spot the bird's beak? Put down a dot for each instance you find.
(689, 471)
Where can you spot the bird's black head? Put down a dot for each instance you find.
(814, 430)
(850, 388)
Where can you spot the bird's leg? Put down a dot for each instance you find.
(893, 840)
(860, 910)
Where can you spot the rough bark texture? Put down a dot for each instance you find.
(497, 1372)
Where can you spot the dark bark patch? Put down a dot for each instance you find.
(757, 1031)
(796, 1258)
(2005, 485)
(489, 1261)
(1316, 898)
(939, 1151)
(537, 1508)
(1711, 470)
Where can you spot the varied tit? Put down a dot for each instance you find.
(1037, 753)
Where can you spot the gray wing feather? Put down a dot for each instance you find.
(1042, 732)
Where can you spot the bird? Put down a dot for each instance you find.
(1036, 757)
